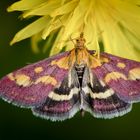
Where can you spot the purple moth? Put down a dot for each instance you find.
(77, 80)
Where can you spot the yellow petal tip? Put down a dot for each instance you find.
(9, 9)
(12, 42)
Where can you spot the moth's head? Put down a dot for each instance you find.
(80, 42)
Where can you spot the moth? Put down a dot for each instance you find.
(77, 80)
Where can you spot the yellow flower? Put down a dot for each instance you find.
(113, 24)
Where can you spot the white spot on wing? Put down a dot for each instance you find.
(102, 83)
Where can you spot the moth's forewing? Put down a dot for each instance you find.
(30, 86)
(122, 75)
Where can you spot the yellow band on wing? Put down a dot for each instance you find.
(46, 80)
(114, 76)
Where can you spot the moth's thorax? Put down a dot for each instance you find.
(80, 51)
(82, 56)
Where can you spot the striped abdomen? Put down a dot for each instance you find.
(80, 71)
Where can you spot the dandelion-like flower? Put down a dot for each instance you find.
(113, 24)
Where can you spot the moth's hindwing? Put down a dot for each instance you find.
(63, 102)
(100, 100)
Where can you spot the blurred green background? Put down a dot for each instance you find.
(18, 123)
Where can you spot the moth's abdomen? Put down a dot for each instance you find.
(80, 71)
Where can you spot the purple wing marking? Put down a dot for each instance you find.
(64, 102)
(100, 100)
(57, 110)
(126, 89)
(34, 94)
(109, 108)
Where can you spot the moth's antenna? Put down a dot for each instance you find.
(72, 40)
(81, 36)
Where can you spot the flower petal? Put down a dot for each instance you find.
(45, 8)
(64, 9)
(24, 5)
(31, 29)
